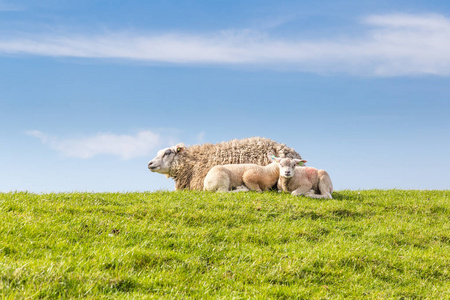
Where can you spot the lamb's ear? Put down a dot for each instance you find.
(299, 162)
(179, 147)
(273, 157)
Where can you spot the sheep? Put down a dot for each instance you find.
(305, 181)
(188, 166)
(242, 177)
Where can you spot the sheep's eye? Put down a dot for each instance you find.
(167, 152)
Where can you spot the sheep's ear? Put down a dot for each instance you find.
(302, 162)
(273, 157)
(179, 147)
(299, 162)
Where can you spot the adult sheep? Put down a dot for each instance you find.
(188, 166)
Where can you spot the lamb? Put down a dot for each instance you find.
(188, 166)
(242, 177)
(303, 180)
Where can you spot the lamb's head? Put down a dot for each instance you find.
(287, 166)
(164, 159)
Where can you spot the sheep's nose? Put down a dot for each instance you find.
(287, 173)
(150, 164)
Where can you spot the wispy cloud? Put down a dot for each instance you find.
(143, 143)
(201, 137)
(392, 45)
(5, 6)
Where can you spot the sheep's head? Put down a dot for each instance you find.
(287, 166)
(164, 159)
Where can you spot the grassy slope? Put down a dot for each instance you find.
(371, 244)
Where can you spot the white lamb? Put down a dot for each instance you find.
(305, 181)
(242, 177)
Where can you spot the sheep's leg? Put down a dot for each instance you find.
(325, 186)
(302, 190)
(325, 193)
(252, 186)
(217, 182)
(223, 188)
(250, 179)
(321, 196)
(311, 193)
(241, 188)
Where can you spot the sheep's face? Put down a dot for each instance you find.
(164, 159)
(287, 166)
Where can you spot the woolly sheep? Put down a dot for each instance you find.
(303, 180)
(242, 177)
(188, 166)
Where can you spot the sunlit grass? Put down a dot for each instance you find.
(362, 244)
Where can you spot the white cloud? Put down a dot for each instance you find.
(125, 146)
(392, 45)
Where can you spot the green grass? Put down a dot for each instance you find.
(371, 244)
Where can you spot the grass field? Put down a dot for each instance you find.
(362, 244)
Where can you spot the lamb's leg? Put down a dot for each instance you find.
(241, 188)
(250, 180)
(321, 196)
(217, 182)
(302, 190)
(325, 186)
(252, 186)
(311, 193)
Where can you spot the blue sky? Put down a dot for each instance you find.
(91, 90)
